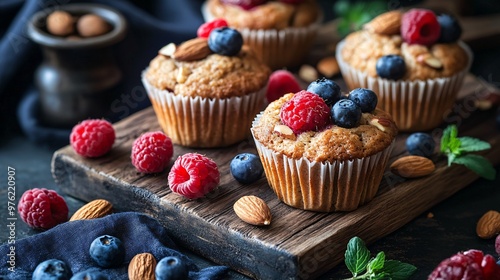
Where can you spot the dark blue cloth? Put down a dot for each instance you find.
(70, 243)
(151, 25)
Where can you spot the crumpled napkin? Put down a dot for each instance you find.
(70, 243)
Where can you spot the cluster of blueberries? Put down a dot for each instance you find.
(107, 251)
(345, 110)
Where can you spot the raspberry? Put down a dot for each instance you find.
(280, 83)
(305, 111)
(420, 26)
(193, 175)
(471, 264)
(42, 208)
(205, 29)
(92, 138)
(151, 152)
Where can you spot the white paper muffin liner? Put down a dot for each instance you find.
(278, 48)
(323, 186)
(414, 105)
(204, 122)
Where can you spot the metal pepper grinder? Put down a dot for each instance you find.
(78, 76)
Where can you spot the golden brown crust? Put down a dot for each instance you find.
(216, 76)
(363, 48)
(271, 15)
(333, 143)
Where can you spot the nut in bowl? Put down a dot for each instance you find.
(417, 78)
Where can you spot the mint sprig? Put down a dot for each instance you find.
(358, 260)
(457, 150)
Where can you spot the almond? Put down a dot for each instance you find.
(412, 166)
(308, 73)
(142, 267)
(430, 61)
(182, 74)
(328, 66)
(488, 225)
(168, 50)
(380, 123)
(191, 50)
(284, 131)
(253, 210)
(388, 23)
(95, 209)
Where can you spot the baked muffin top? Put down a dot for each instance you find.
(427, 49)
(363, 48)
(330, 144)
(270, 15)
(215, 76)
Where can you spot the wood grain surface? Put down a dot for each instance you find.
(298, 244)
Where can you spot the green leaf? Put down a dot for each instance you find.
(445, 138)
(398, 270)
(356, 256)
(376, 264)
(480, 165)
(470, 144)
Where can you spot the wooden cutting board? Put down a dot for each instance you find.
(297, 244)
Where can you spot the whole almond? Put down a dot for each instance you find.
(95, 209)
(488, 225)
(191, 50)
(253, 210)
(412, 166)
(388, 23)
(142, 267)
(328, 66)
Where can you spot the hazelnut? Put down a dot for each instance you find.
(60, 23)
(92, 25)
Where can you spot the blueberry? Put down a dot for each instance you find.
(171, 268)
(345, 113)
(246, 168)
(391, 67)
(366, 99)
(420, 144)
(52, 269)
(450, 28)
(89, 275)
(326, 89)
(107, 251)
(225, 41)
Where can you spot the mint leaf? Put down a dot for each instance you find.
(449, 141)
(398, 270)
(377, 263)
(470, 144)
(356, 256)
(480, 165)
(445, 139)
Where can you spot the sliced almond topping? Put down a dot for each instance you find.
(284, 131)
(194, 49)
(388, 23)
(168, 50)
(433, 62)
(182, 74)
(380, 123)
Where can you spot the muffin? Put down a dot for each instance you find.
(332, 163)
(280, 32)
(413, 60)
(204, 98)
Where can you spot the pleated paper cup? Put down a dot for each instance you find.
(323, 186)
(278, 48)
(204, 122)
(414, 105)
